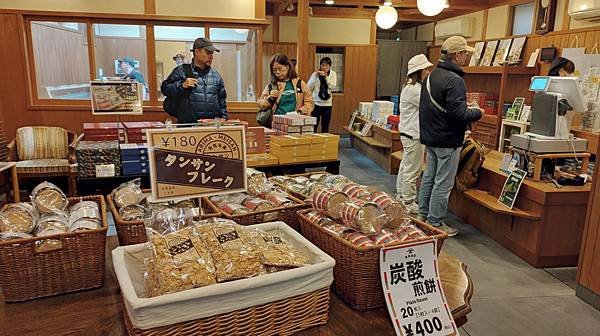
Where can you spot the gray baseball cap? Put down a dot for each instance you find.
(204, 43)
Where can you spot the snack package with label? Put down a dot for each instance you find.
(358, 239)
(128, 193)
(392, 208)
(278, 198)
(50, 225)
(258, 204)
(363, 216)
(385, 238)
(356, 191)
(133, 212)
(337, 229)
(329, 201)
(276, 251)
(233, 248)
(49, 199)
(167, 220)
(319, 219)
(410, 232)
(180, 261)
(18, 217)
(335, 181)
(84, 215)
(257, 182)
(4, 236)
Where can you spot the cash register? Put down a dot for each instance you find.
(549, 131)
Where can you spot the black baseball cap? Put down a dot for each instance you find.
(204, 43)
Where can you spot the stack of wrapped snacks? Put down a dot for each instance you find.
(94, 153)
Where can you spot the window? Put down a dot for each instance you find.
(60, 54)
(523, 19)
(337, 64)
(120, 51)
(236, 62)
(171, 41)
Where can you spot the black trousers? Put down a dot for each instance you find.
(323, 115)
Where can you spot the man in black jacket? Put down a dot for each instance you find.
(443, 119)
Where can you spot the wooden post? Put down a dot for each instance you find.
(502, 93)
(275, 27)
(303, 50)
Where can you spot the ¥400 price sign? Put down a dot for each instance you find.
(413, 290)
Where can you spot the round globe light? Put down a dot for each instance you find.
(431, 7)
(386, 17)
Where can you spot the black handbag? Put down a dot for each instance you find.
(265, 116)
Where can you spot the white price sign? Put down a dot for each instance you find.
(105, 170)
(413, 290)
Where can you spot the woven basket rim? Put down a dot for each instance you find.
(104, 227)
(298, 204)
(438, 234)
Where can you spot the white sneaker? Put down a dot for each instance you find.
(450, 231)
(412, 208)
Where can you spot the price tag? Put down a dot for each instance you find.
(105, 170)
(413, 290)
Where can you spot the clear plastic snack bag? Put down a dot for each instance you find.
(133, 212)
(84, 215)
(49, 199)
(18, 217)
(51, 225)
(257, 182)
(276, 251)
(128, 193)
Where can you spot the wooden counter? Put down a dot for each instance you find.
(100, 312)
(544, 228)
(378, 147)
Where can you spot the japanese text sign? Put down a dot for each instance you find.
(196, 162)
(413, 290)
(255, 140)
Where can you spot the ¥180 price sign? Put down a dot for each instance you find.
(413, 290)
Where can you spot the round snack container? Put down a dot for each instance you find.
(390, 206)
(132, 212)
(362, 216)
(410, 232)
(354, 190)
(316, 217)
(278, 199)
(335, 181)
(49, 199)
(18, 217)
(385, 238)
(234, 209)
(358, 239)
(329, 201)
(337, 229)
(257, 204)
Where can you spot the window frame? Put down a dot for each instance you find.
(511, 18)
(34, 102)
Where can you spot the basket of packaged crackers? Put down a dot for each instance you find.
(299, 185)
(216, 277)
(53, 245)
(263, 202)
(129, 205)
(352, 227)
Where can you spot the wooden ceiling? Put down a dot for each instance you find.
(408, 14)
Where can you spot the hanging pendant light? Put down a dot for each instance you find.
(431, 7)
(386, 17)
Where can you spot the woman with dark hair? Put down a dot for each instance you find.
(414, 151)
(321, 83)
(285, 92)
(562, 67)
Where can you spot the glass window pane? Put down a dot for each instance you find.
(120, 52)
(169, 42)
(236, 62)
(60, 53)
(523, 20)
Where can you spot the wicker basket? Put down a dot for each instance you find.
(356, 272)
(285, 214)
(27, 274)
(295, 194)
(134, 232)
(284, 317)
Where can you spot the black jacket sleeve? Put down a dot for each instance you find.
(173, 85)
(456, 102)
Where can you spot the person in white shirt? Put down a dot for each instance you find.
(321, 83)
(412, 158)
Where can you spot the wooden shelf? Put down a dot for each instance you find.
(375, 125)
(487, 200)
(497, 70)
(368, 140)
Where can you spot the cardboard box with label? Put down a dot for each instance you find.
(289, 140)
(288, 151)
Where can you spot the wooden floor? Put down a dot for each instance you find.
(99, 312)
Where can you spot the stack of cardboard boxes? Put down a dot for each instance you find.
(305, 148)
(134, 159)
(105, 131)
(136, 130)
(294, 123)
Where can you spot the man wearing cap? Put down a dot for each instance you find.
(179, 58)
(127, 64)
(443, 117)
(201, 92)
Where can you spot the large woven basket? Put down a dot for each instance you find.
(134, 232)
(295, 194)
(284, 317)
(27, 274)
(356, 273)
(285, 214)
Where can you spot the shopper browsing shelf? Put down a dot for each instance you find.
(286, 92)
(443, 120)
(127, 65)
(199, 90)
(321, 83)
(413, 150)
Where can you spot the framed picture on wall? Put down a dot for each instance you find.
(516, 49)
(502, 52)
(488, 55)
(477, 54)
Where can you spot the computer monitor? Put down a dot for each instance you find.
(567, 86)
(539, 83)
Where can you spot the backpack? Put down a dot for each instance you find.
(472, 156)
(172, 105)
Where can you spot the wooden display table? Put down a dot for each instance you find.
(538, 158)
(12, 166)
(100, 312)
(544, 227)
(378, 147)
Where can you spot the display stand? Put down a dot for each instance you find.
(508, 126)
(538, 158)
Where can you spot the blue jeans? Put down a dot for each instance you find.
(437, 183)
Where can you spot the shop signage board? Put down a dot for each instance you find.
(511, 187)
(255, 140)
(196, 162)
(116, 97)
(413, 290)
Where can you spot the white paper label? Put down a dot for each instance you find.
(413, 290)
(105, 170)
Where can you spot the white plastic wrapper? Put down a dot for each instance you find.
(18, 217)
(128, 193)
(49, 199)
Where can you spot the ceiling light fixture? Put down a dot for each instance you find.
(386, 17)
(431, 7)
(329, 2)
(387, 3)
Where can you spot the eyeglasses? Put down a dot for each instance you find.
(280, 69)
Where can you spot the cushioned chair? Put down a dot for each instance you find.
(45, 151)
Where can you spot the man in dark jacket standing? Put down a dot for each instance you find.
(202, 95)
(443, 119)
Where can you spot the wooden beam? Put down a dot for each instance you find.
(373, 31)
(260, 9)
(149, 7)
(151, 54)
(302, 53)
(484, 24)
(566, 24)
(275, 27)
